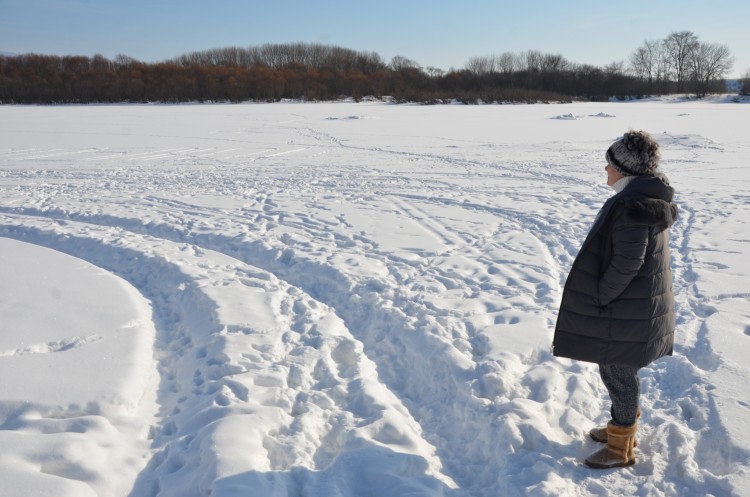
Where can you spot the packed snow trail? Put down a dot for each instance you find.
(260, 355)
(356, 306)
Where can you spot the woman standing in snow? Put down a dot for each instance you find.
(618, 307)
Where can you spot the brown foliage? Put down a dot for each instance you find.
(307, 72)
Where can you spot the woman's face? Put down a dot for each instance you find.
(612, 175)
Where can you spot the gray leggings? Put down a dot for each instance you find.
(624, 387)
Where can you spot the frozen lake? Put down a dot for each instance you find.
(351, 299)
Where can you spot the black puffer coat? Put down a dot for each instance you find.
(618, 305)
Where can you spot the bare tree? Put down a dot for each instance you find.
(399, 62)
(678, 47)
(122, 60)
(662, 67)
(508, 63)
(434, 72)
(553, 63)
(708, 63)
(481, 65)
(533, 60)
(647, 62)
(640, 64)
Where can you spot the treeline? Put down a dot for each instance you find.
(276, 72)
(317, 72)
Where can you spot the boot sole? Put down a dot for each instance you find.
(608, 466)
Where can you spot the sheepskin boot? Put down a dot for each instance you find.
(600, 434)
(619, 449)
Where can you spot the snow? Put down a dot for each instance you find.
(351, 299)
(76, 375)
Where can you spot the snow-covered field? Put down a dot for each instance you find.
(351, 300)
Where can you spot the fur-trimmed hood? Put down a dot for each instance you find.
(648, 202)
(650, 212)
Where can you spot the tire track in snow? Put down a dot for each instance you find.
(509, 442)
(375, 322)
(423, 221)
(517, 437)
(396, 334)
(509, 432)
(310, 371)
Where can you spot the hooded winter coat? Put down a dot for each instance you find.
(618, 305)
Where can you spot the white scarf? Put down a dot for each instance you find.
(621, 183)
(618, 186)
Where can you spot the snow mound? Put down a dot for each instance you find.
(76, 375)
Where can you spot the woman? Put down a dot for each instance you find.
(617, 306)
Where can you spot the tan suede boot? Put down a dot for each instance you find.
(619, 449)
(600, 434)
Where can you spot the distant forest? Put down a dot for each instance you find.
(680, 63)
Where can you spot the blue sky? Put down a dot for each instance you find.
(436, 33)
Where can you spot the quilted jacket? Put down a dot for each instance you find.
(618, 305)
